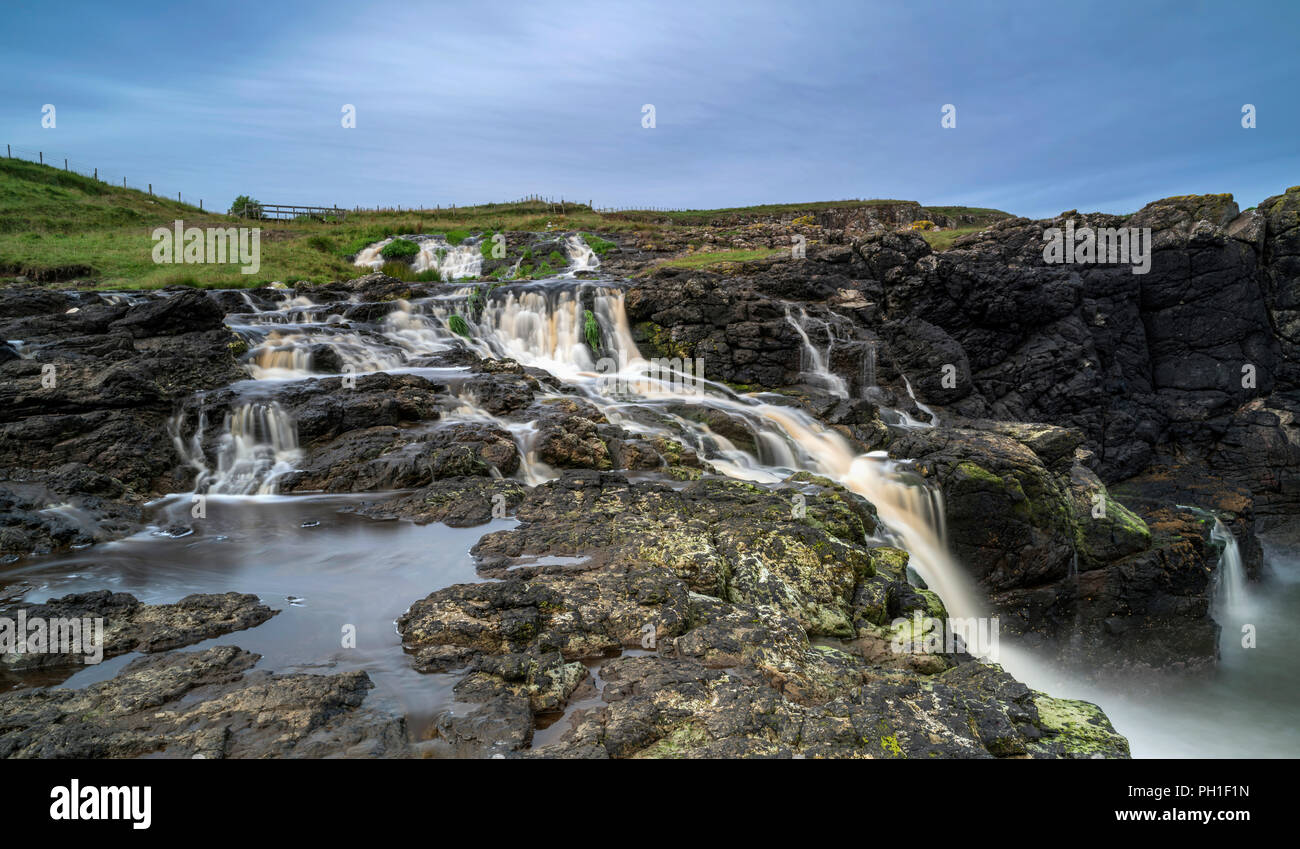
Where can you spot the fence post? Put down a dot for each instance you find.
(200, 204)
(151, 190)
(96, 173)
(65, 163)
(41, 154)
(9, 152)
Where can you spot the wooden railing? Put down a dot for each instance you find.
(285, 212)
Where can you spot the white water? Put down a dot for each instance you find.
(453, 261)
(1246, 708)
(581, 256)
(542, 324)
(1231, 590)
(814, 364)
(259, 443)
(466, 259)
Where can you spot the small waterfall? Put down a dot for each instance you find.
(581, 256)
(546, 325)
(453, 261)
(369, 256)
(258, 444)
(868, 369)
(279, 356)
(435, 254)
(1231, 581)
(812, 364)
(910, 421)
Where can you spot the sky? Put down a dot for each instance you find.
(1089, 106)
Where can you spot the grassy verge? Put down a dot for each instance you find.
(58, 226)
(703, 259)
(941, 240)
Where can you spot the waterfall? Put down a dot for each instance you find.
(545, 324)
(813, 366)
(435, 254)
(581, 256)
(868, 369)
(259, 442)
(1230, 588)
(453, 261)
(910, 421)
(369, 256)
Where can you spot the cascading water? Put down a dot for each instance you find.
(581, 256)
(453, 261)
(259, 443)
(435, 254)
(369, 255)
(814, 365)
(868, 369)
(1231, 587)
(545, 324)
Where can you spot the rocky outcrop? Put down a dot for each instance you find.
(205, 704)
(1106, 374)
(710, 622)
(83, 410)
(129, 625)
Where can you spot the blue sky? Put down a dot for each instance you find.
(1094, 106)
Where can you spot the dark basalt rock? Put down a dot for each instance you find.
(724, 589)
(94, 394)
(131, 626)
(201, 704)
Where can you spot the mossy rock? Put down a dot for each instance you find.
(1076, 729)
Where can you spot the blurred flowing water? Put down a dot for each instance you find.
(326, 568)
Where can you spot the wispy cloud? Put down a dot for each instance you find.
(1097, 106)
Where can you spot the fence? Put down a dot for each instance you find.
(54, 159)
(553, 205)
(289, 212)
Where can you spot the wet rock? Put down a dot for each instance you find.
(131, 626)
(1008, 516)
(96, 393)
(381, 458)
(201, 704)
(71, 506)
(568, 434)
(456, 502)
(328, 407)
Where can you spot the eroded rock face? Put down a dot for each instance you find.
(1054, 381)
(83, 411)
(1135, 362)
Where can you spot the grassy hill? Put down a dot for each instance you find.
(58, 227)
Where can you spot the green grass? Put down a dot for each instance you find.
(406, 274)
(703, 259)
(399, 249)
(56, 225)
(591, 331)
(598, 245)
(458, 325)
(941, 240)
